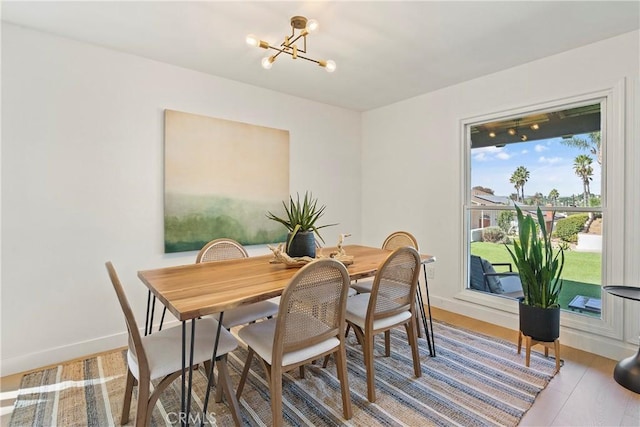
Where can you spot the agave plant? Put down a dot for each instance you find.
(539, 268)
(301, 216)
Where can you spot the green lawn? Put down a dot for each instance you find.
(581, 274)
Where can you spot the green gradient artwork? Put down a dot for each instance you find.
(220, 178)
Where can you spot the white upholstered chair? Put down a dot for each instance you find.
(225, 249)
(390, 303)
(309, 325)
(159, 355)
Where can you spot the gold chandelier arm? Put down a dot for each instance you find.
(291, 54)
(288, 42)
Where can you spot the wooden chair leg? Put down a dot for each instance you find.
(207, 366)
(359, 334)
(224, 384)
(326, 361)
(126, 403)
(219, 389)
(387, 343)
(527, 340)
(218, 393)
(341, 368)
(301, 369)
(143, 401)
(245, 372)
(275, 386)
(412, 335)
(368, 362)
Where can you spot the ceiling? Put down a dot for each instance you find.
(385, 51)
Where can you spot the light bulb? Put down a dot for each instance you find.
(492, 134)
(312, 25)
(331, 66)
(535, 126)
(252, 40)
(512, 131)
(267, 62)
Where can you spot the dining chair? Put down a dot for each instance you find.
(390, 303)
(310, 324)
(159, 355)
(226, 249)
(393, 241)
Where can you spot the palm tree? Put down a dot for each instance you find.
(519, 178)
(516, 184)
(592, 144)
(537, 198)
(553, 196)
(582, 167)
(525, 178)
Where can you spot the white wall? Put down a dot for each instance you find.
(418, 144)
(82, 172)
(82, 182)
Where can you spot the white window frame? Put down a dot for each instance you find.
(612, 199)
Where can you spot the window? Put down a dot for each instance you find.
(549, 158)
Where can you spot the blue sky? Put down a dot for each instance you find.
(550, 164)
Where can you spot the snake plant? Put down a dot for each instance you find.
(539, 267)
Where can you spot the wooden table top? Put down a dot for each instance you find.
(194, 290)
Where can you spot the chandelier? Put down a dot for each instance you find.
(289, 45)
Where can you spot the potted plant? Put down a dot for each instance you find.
(300, 220)
(540, 271)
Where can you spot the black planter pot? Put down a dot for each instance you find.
(303, 244)
(541, 324)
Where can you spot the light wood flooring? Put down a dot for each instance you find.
(584, 393)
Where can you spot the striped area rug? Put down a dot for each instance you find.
(474, 380)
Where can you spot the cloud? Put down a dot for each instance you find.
(481, 157)
(484, 154)
(540, 148)
(550, 160)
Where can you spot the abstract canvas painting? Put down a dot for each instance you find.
(221, 178)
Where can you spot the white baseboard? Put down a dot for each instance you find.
(57, 355)
(593, 343)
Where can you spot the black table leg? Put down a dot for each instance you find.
(429, 325)
(151, 309)
(185, 404)
(183, 393)
(210, 377)
(426, 288)
(148, 315)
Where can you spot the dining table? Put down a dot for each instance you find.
(195, 290)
